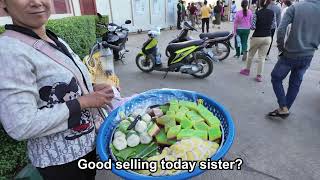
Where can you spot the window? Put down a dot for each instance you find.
(61, 7)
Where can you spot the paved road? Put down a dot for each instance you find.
(286, 150)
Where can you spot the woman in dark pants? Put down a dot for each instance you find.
(217, 13)
(242, 24)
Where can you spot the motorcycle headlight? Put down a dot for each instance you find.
(112, 28)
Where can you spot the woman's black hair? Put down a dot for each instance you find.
(264, 3)
(288, 3)
(244, 5)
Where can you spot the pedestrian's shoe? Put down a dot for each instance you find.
(281, 112)
(259, 78)
(236, 56)
(245, 72)
(245, 55)
(158, 66)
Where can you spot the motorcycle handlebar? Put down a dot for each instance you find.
(107, 45)
(103, 44)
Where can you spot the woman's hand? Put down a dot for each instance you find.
(97, 87)
(101, 96)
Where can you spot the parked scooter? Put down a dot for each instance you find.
(186, 57)
(118, 36)
(220, 49)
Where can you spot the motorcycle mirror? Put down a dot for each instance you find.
(128, 22)
(99, 15)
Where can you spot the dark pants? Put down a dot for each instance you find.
(244, 35)
(205, 21)
(298, 66)
(272, 35)
(70, 170)
(179, 21)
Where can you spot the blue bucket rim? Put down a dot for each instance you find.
(197, 171)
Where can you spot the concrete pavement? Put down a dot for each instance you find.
(287, 149)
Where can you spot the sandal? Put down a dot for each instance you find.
(276, 113)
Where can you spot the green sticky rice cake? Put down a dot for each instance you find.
(180, 116)
(201, 126)
(189, 105)
(208, 116)
(173, 132)
(161, 138)
(163, 120)
(214, 133)
(186, 133)
(201, 134)
(153, 130)
(186, 124)
(169, 124)
(174, 106)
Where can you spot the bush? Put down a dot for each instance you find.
(13, 155)
(100, 31)
(79, 32)
(1, 29)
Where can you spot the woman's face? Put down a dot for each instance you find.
(28, 13)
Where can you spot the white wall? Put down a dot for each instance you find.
(76, 7)
(103, 7)
(158, 13)
(171, 12)
(141, 14)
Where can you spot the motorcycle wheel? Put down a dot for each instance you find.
(206, 63)
(221, 50)
(145, 64)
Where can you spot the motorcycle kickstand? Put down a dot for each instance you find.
(165, 75)
(121, 59)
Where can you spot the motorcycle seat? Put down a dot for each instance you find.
(177, 46)
(215, 34)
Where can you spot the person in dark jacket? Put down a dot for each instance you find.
(217, 14)
(296, 52)
(179, 14)
(263, 21)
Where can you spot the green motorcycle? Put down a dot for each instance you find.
(186, 57)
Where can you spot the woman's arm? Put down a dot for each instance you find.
(19, 112)
(236, 23)
(254, 21)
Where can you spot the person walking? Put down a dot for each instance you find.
(179, 14)
(261, 38)
(233, 11)
(217, 13)
(188, 11)
(193, 11)
(277, 11)
(242, 25)
(184, 12)
(296, 53)
(287, 4)
(205, 16)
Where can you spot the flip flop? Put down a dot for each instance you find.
(276, 113)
